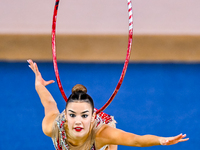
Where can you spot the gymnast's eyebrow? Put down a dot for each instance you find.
(72, 111)
(85, 112)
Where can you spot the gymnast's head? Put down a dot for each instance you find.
(79, 95)
(79, 112)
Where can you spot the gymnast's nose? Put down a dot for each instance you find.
(78, 121)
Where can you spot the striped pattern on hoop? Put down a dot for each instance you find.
(126, 60)
(130, 13)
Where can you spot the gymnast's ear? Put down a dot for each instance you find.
(93, 117)
(65, 114)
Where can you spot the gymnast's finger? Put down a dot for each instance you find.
(36, 69)
(30, 61)
(178, 137)
(183, 140)
(49, 82)
(31, 65)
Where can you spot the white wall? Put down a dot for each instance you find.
(100, 16)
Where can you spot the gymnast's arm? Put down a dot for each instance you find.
(50, 106)
(112, 136)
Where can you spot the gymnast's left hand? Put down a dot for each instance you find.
(38, 77)
(173, 140)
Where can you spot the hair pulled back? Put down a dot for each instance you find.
(79, 94)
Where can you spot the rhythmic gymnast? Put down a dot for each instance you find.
(79, 128)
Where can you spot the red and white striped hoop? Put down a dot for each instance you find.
(125, 63)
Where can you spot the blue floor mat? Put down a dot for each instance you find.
(155, 98)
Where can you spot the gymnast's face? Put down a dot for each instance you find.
(79, 119)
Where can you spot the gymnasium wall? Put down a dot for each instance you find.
(97, 30)
(100, 17)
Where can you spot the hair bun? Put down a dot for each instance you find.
(79, 88)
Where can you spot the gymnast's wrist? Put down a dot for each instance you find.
(38, 85)
(163, 141)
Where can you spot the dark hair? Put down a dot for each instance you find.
(79, 94)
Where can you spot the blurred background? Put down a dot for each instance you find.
(160, 91)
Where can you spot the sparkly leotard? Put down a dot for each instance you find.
(60, 136)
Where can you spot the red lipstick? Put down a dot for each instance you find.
(78, 129)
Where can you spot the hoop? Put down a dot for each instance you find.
(125, 63)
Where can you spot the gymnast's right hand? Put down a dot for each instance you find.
(38, 77)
